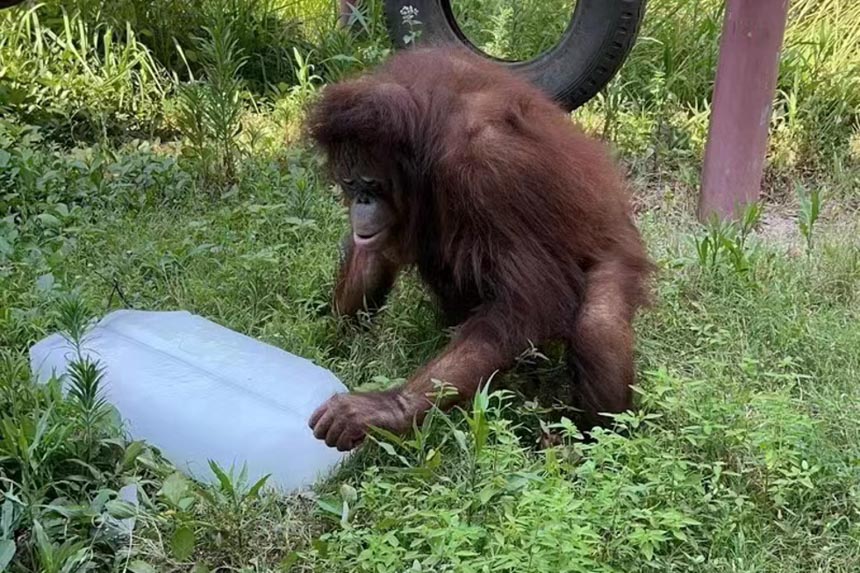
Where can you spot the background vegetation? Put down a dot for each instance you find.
(149, 157)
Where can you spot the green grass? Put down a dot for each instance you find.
(743, 455)
(513, 30)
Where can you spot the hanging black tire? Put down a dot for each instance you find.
(592, 49)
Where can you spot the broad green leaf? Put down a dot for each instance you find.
(460, 436)
(7, 552)
(388, 448)
(133, 450)
(175, 487)
(120, 509)
(348, 493)
(287, 563)
(486, 494)
(330, 505)
(141, 567)
(182, 543)
(48, 220)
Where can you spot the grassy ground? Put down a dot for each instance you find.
(743, 455)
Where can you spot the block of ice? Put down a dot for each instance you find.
(199, 391)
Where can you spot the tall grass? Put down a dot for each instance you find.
(210, 112)
(672, 69)
(263, 29)
(77, 79)
(513, 29)
(742, 456)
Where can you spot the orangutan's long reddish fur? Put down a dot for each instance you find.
(518, 222)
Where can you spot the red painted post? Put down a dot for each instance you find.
(751, 40)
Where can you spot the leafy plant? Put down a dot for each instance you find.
(292, 101)
(266, 31)
(78, 81)
(210, 113)
(513, 30)
(810, 209)
(409, 15)
(727, 240)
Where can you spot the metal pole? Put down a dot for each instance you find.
(751, 40)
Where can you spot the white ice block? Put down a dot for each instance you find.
(199, 391)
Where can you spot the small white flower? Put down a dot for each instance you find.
(409, 12)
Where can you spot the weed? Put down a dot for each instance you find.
(210, 113)
(727, 240)
(411, 21)
(292, 101)
(810, 209)
(79, 81)
(513, 30)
